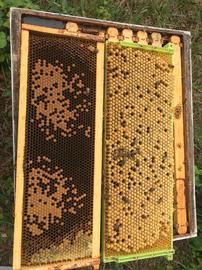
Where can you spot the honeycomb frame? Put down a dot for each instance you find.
(42, 176)
(114, 73)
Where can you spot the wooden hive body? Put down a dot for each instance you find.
(58, 87)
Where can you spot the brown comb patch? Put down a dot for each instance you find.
(59, 150)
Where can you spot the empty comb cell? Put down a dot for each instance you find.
(57, 147)
(138, 205)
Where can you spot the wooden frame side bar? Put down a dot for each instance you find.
(98, 150)
(179, 145)
(20, 152)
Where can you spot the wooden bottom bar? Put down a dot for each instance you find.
(68, 265)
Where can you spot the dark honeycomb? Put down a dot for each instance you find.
(139, 151)
(59, 149)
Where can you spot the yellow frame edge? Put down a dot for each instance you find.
(98, 150)
(180, 214)
(20, 151)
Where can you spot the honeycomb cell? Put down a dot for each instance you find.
(139, 151)
(59, 149)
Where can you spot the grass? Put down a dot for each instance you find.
(178, 14)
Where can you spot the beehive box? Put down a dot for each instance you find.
(58, 188)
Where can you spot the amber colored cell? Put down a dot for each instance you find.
(48, 209)
(52, 108)
(139, 151)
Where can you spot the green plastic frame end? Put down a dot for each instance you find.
(168, 48)
(168, 254)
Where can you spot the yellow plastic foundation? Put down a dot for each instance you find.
(138, 190)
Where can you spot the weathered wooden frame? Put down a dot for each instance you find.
(98, 28)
